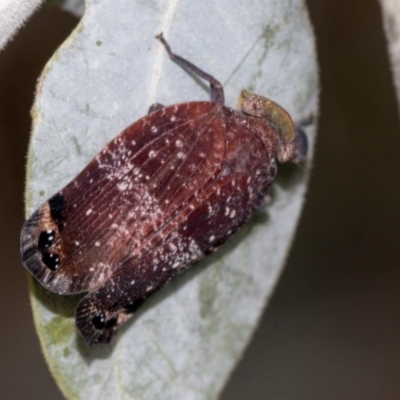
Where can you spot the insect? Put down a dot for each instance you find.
(167, 191)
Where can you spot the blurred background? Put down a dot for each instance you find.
(332, 328)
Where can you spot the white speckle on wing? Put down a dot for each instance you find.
(122, 185)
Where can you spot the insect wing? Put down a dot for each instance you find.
(203, 225)
(75, 240)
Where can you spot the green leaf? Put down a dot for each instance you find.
(186, 339)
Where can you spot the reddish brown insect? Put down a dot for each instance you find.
(168, 190)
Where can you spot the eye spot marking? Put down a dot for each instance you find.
(99, 321)
(46, 239)
(51, 260)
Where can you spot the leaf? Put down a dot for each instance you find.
(13, 14)
(186, 339)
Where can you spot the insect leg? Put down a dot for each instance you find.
(217, 91)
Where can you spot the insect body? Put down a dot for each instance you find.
(164, 193)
